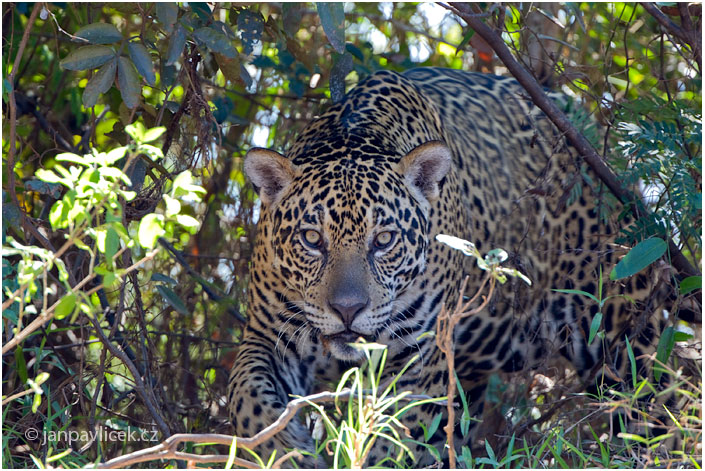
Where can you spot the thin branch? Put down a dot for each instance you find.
(17, 396)
(689, 36)
(47, 315)
(292, 454)
(138, 383)
(207, 287)
(167, 449)
(561, 121)
(13, 106)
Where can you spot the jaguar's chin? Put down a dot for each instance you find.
(343, 345)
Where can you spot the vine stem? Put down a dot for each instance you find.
(445, 326)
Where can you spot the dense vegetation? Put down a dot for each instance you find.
(128, 224)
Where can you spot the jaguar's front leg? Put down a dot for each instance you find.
(261, 384)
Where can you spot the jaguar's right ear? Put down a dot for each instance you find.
(270, 172)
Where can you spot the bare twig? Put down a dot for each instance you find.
(167, 449)
(445, 326)
(17, 396)
(292, 454)
(561, 121)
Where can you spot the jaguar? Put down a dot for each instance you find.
(346, 249)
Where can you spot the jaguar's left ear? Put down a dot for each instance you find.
(425, 166)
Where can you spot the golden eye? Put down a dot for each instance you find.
(384, 239)
(312, 238)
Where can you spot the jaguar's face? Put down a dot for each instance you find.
(349, 238)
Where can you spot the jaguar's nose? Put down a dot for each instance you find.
(348, 307)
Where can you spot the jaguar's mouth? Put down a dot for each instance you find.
(346, 336)
(339, 344)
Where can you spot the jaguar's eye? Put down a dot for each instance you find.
(312, 238)
(384, 240)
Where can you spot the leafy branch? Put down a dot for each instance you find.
(564, 125)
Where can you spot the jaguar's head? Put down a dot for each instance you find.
(344, 239)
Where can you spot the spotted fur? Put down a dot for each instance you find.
(414, 155)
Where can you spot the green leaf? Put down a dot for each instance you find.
(465, 416)
(632, 361)
(129, 82)
(114, 155)
(136, 131)
(639, 257)
(21, 364)
(109, 279)
(355, 51)
(490, 452)
(112, 243)
(333, 21)
(163, 278)
(663, 350)
(291, 12)
(173, 300)
(87, 57)
(167, 13)
(36, 402)
(215, 41)
(47, 176)
(691, 284)
(99, 33)
(45, 188)
(85, 160)
(65, 306)
(594, 327)
(187, 221)
(251, 26)
(201, 9)
(153, 134)
(100, 83)
(467, 457)
(679, 336)
(465, 41)
(183, 185)
(577, 291)
(496, 256)
(11, 217)
(41, 378)
(58, 215)
(154, 153)
(143, 61)
(151, 228)
(435, 423)
(176, 45)
(173, 206)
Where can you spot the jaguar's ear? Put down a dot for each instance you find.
(425, 166)
(270, 172)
